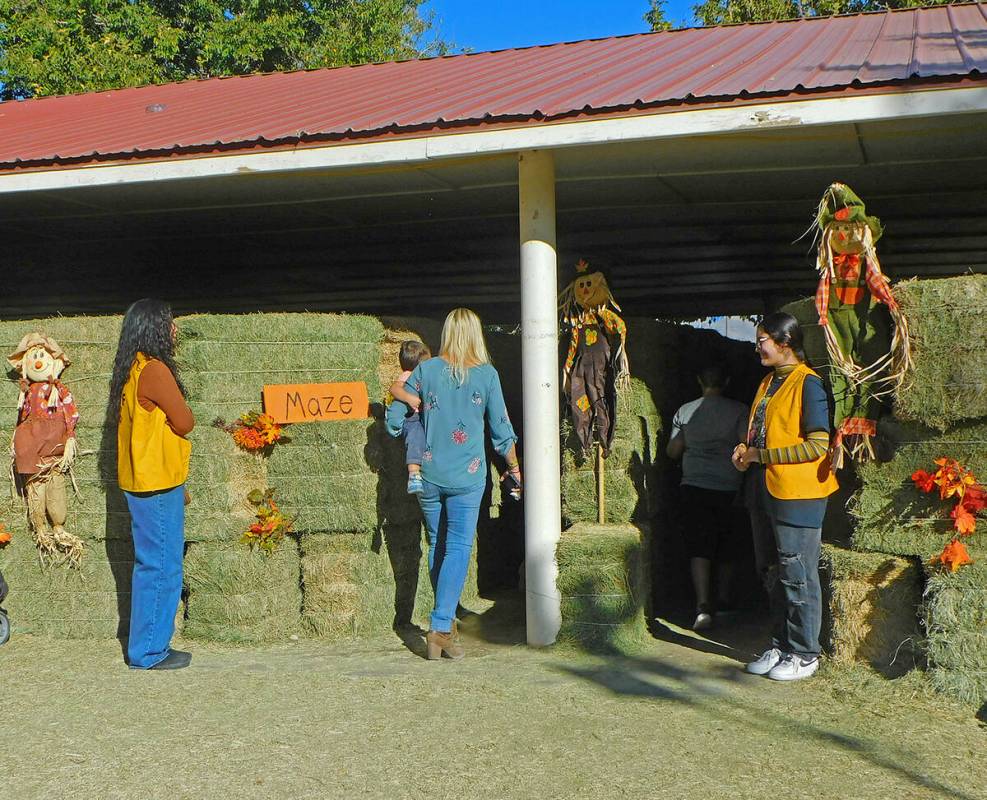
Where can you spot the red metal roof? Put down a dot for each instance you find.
(529, 84)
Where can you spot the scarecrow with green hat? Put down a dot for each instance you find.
(866, 333)
(596, 362)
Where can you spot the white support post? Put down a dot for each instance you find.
(540, 386)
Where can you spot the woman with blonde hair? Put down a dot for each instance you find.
(459, 391)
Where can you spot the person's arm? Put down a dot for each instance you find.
(157, 387)
(502, 434)
(676, 442)
(399, 391)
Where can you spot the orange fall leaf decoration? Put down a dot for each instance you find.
(954, 555)
(955, 481)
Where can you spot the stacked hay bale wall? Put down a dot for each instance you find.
(954, 615)
(940, 412)
(603, 583)
(947, 321)
(343, 482)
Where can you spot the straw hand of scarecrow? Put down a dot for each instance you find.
(68, 458)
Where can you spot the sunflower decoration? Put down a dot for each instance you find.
(596, 365)
(866, 333)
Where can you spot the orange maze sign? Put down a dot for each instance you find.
(316, 402)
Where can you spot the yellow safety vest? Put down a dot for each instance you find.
(783, 428)
(150, 455)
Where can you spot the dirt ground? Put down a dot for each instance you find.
(373, 719)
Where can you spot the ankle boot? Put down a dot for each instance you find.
(439, 644)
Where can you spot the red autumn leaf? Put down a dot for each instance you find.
(924, 480)
(954, 555)
(963, 520)
(975, 499)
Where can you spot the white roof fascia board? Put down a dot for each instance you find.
(411, 151)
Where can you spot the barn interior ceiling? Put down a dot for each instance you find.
(688, 227)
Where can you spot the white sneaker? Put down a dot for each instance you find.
(703, 621)
(766, 662)
(793, 667)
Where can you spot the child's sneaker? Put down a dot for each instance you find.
(793, 667)
(415, 484)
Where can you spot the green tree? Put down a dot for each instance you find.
(50, 47)
(655, 16)
(719, 12)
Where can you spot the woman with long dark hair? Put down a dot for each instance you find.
(787, 452)
(147, 401)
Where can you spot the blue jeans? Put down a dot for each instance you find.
(157, 523)
(450, 520)
(787, 559)
(413, 431)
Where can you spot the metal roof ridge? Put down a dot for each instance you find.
(449, 56)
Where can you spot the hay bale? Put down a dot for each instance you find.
(873, 603)
(92, 602)
(629, 471)
(358, 585)
(602, 579)
(891, 515)
(955, 618)
(240, 595)
(947, 320)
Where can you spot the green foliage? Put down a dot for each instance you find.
(721, 12)
(655, 16)
(50, 47)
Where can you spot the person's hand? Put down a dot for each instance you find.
(188, 497)
(415, 403)
(738, 457)
(514, 473)
(751, 455)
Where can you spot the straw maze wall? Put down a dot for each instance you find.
(889, 605)
(356, 565)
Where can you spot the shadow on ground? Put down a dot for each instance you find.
(711, 689)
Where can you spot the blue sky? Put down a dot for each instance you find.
(496, 24)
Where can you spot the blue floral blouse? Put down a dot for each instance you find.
(454, 415)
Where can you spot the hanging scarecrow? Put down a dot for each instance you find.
(866, 333)
(596, 363)
(44, 445)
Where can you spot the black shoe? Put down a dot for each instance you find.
(176, 659)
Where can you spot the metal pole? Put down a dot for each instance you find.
(540, 386)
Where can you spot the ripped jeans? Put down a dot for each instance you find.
(787, 559)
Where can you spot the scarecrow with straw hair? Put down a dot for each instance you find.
(596, 363)
(44, 446)
(866, 333)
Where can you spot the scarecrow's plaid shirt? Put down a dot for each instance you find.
(36, 397)
(876, 282)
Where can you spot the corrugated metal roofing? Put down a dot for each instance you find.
(530, 84)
